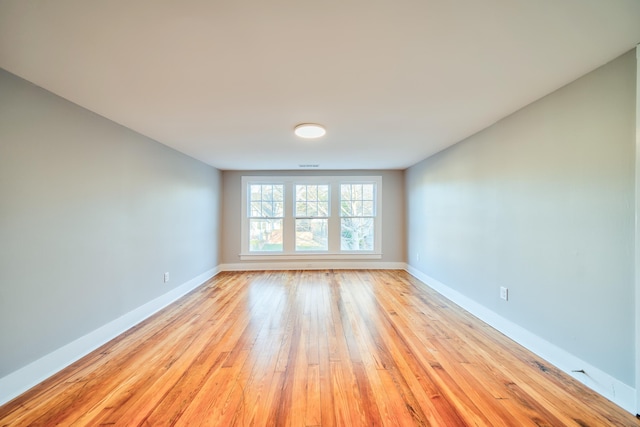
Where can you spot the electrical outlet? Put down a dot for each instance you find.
(504, 293)
(166, 277)
(417, 256)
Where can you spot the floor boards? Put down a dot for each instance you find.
(312, 348)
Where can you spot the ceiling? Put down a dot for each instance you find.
(393, 81)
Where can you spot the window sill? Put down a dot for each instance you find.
(308, 256)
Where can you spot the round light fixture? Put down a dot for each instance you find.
(309, 130)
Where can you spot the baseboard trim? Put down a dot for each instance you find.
(16, 383)
(314, 265)
(613, 389)
(27, 377)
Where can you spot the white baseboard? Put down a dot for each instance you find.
(314, 265)
(24, 378)
(613, 389)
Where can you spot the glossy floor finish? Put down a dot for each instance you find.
(312, 348)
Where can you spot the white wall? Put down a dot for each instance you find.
(393, 216)
(91, 216)
(542, 202)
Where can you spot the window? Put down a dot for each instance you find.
(357, 215)
(302, 217)
(312, 217)
(266, 212)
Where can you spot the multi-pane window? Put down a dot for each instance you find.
(328, 217)
(266, 213)
(312, 217)
(357, 216)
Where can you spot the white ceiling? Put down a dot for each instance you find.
(392, 81)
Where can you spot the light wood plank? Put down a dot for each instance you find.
(312, 348)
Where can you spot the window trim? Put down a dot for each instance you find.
(334, 252)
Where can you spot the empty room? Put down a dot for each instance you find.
(319, 213)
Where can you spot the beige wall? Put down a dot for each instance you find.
(393, 240)
(91, 216)
(542, 202)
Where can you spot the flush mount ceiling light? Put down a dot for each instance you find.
(310, 130)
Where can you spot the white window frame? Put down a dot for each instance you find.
(372, 216)
(250, 215)
(289, 252)
(296, 217)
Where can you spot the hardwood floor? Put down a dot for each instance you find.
(311, 348)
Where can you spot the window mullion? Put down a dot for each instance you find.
(289, 221)
(334, 217)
